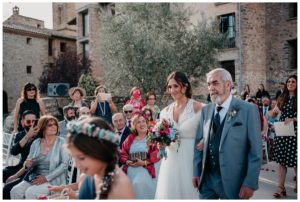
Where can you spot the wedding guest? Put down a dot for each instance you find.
(148, 114)
(280, 90)
(136, 99)
(246, 92)
(69, 115)
(183, 114)
(261, 92)
(225, 124)
(77, 94)
(29, 100)
(151, 99)
(138, 159)
(94, 147)
(103, 107)
(46, 163)
(285, 151)
(21, 146)
(84, 111)
(128, 112)
(120, 127)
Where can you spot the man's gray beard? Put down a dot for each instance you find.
(216, 100)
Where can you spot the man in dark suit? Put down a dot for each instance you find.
(118, 120)
(280, 90)
(21, 146)
(228, 145)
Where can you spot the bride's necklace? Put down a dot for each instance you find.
(102, 110)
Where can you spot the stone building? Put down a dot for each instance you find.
(262, 40)
(28, 48)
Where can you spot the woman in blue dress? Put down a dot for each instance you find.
(139, 158)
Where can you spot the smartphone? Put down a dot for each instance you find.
(104, 96)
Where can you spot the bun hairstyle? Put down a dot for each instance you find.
(182, 80)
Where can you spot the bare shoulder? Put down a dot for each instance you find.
(19, 101)
(197, 106)
(121, 188)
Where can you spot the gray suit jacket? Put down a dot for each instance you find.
(240, 151)
(59, 160)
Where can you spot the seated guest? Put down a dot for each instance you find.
(46, 163)
(128, 112)
(21, 146)
(120, 127)
(148, 114)
(84, 111)
(69, 115)
(138, 158)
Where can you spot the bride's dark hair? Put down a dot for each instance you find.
(182, 80)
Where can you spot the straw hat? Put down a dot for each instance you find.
(81, 90)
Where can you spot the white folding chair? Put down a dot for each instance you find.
(8, 139)
(71, 172)
(265, 148)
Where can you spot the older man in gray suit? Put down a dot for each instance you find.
(228, 145)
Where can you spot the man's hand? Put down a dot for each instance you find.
(196, 181)
(39, 180)
(246, 192)
(200, 145)
(32, 131)
(11, 178)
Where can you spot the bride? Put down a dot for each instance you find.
(174, 180)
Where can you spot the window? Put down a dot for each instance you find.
(227, 26)
(28, 69)
(229, 66)
(293, 54)
(85, 24)
(62, 47)
(28, 40)
(59, 14)
(38, 26)
(85, 49)
(50, 47)
(293, 10)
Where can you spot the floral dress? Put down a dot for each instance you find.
(285, 152)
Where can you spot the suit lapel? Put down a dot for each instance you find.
(228, 122)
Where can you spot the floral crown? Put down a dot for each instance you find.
(91, 130)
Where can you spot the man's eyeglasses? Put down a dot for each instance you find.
(129, 111)
(28, 122)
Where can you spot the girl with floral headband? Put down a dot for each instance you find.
(94, 147)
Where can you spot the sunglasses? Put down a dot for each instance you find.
(51, 124)
(30, 89)
(127, 112)
(28, 122)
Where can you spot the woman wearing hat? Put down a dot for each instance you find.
(101, 106)
(77, 94)
(29, 100)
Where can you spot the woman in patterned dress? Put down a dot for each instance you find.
(285, 153)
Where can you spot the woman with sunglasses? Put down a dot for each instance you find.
(29, 100)
(46, 163)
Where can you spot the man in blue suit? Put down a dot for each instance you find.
(228, 145)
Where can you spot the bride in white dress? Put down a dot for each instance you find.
(175, 174)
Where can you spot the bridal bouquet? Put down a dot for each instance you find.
(164, 133)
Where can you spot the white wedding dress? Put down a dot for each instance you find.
(176, 172)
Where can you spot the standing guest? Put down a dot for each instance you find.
(101, 106)
(21, 146)
(84, 111)
(128, 111)
(69, 115)
(227, 123)
(150, 99)
(138, 158)
(148, 114)
(46, 163)
(280, 90)
(77, 94)
(121, 129)
(246, 92)
(285, 151)
(29, 100)
(265, 105)
(261, 92)
(175, 174)
(136, 99)
(94, 147)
